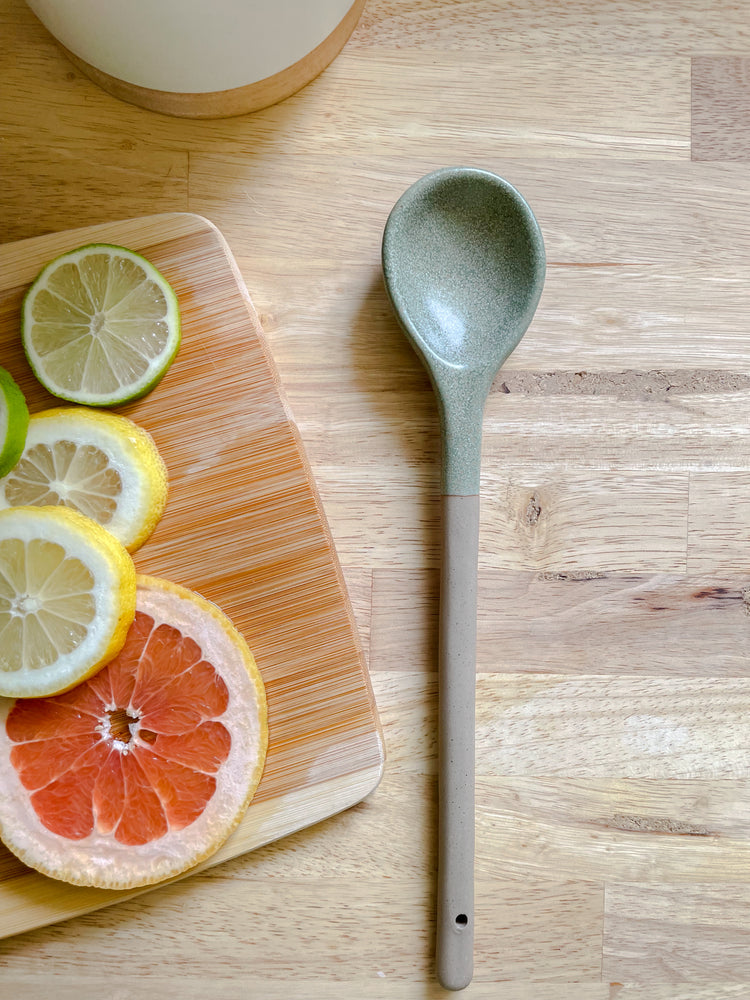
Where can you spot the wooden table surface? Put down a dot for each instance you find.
(613, 722)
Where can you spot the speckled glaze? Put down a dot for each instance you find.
(463, 260)
(464, 263)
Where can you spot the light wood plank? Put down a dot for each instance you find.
(679, 934)
(573, 521)
(600, 623)
(678, 429)
(650, 334)
(673, 991)
(570, 29)
(570, 727)
(376, 987)
(550, 521)
(632, 213)
(631, 727)
(334, 923)
(542, 420)
(655, 831)
(720, 88)
(405, 609)
(573, 622)
(719, 512)
(586, 102)
(581, 829)
(80, 187)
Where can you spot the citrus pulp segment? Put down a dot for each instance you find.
(67, 599)
(144, 770)
(100, 464)
(100, 325)
(14, 421)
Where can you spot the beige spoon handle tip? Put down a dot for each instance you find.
(456, 723)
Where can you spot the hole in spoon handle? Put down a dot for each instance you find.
(456, 723)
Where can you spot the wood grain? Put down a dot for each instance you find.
(719, 108)
(582, 26)
(68, 987)
(243, 526)
(690, 991)
(643, 831)
(574, 622)
(694, 933)
(584, 726)
(157, 181)
(613, 636)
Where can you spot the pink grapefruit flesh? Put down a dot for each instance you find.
(143, 770)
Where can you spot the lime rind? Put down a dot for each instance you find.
(78, 328)
(14, 422)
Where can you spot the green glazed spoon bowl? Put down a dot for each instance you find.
(464, 264)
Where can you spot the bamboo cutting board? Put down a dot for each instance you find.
(243, 527)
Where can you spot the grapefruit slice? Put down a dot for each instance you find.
(142, 771)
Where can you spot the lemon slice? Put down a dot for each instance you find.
(67, 599)
(14, 421)
(100, 464)
(100, 325)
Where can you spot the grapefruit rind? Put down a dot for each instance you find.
(113, 593)
(132, 457)
(98, 860)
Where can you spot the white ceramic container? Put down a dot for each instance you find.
(200, 58)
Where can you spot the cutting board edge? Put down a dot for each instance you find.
(351, 794)
(21, 262)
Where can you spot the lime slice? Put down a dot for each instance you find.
(101, 464)
(100, 326)
(14, 422)
(67, 599)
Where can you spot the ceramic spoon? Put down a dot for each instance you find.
(463, 261)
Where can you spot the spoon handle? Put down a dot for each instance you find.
(456, 722)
